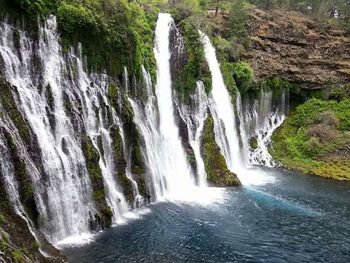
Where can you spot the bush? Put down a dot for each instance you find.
(313, 147)
(327, 118)
(243, 75)
(323, 132)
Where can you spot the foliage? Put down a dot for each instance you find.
(114, 34)
(314, 139)
(236, 27)
(2, 219)
(227, 74)
(243, 75)
(196, 67)
(32, 8)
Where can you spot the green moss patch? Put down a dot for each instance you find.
(92, 163)
(214, 162)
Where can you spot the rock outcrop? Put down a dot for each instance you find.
(293, 47)
(215, 165)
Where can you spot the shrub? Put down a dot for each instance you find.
(323, 132)
(243, 75)
(327, 118)
(313, 147)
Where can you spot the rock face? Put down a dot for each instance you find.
(292, 47)
(214, 162)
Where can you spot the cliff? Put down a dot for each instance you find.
(293, 47)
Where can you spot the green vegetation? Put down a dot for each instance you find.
(196, 67)
(9, 104)
(315, 139)
(214, 162)
(243, 75)
(114, 33)
(121, 165)
(2, 219)
(92, 163)
(122, 106)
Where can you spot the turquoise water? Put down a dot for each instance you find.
(296, 219)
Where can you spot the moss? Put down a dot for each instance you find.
(227, 74)
(121, 164)
(2, 219)
(18, 256)
(196, 67)
(214, 162)
(113, 35)
(253, 142)
(26, 189)
(132, 139)
(9, 104)
(314, 139)
(92, 164)
(68, 106)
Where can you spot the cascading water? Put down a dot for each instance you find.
(260, 116)
(96, 110)
(169, 170)
(227, 134)
(223, 112)
(64, 183)
(179, 177)
(195, 115)
(67, 194)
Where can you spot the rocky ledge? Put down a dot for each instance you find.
(293, 47)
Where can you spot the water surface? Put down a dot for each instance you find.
(296, 218)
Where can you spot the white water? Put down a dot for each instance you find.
(259, 118)
(221, 108)
(64, 185)
(67, 195)
(226, 130)
(95, 116)
(170, 174)
(63, 191)
(179, 177)
(195, 115)
(165, 157)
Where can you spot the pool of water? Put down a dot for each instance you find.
(296, 218)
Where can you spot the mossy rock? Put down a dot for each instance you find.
(9, 104)
(215, 165)
(253, 142)
(92, 158)
(25, 184)
(120, 103)
(121, 164)
(195, 67)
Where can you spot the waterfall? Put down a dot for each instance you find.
(227, 134)
(169, 170)
(7, 170)
(195, 115)
(67, 194)
(62, 104)
(96, 109)
(260, 116)
(221, 108)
